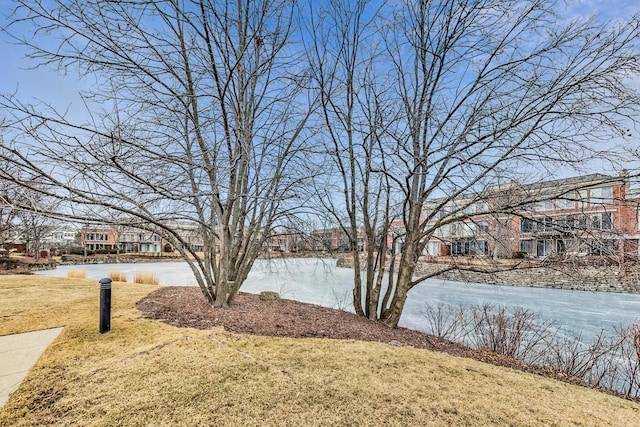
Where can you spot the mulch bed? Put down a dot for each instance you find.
(186, 307)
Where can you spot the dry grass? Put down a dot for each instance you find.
(145, 372)
(118, 276)
(77, 274)
(146, 277)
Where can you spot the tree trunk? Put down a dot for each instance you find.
(406, 268)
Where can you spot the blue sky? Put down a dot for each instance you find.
(48, 85)
(615, 9)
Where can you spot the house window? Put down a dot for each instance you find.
(457, 248)
(561, 222)
(443, 231)
(432, 248)
(483, 247)
(601, 221)
(601, 196)
(569, 245)
(465, 247)
(483, 227)
(543, 247)
(582, 199)
(469, 248)
(526, 246)
(565, 245)
(607, 221)
(544, 205)
(582, 222)
(566, 201)
(602, 247)
(548, 224)
(526, 225)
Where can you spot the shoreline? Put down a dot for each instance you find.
(531, 274)
(517, 273)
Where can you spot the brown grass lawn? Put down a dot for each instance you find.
(145, 372)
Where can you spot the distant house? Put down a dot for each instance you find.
(586, 215)
(278, 243)
(61, 237)
(95, 238)
(132, 239)
(286, 242)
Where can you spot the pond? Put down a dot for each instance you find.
(319, 281)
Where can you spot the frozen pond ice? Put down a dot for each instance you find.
(319, 281)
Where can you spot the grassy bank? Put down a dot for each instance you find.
(147, 373)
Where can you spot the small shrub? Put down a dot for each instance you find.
(342, 301)
(106, 251)
(77, 274)
(446, 321)
(117, 276)
(77, 251)
(635, 333)
(588, 361)
(609, 361)
(146, 277)
(71, 258)
(628, 358)
(513, 332)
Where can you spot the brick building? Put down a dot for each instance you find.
(588, 215)
(99, 237)
(334, 240)
(133, 239)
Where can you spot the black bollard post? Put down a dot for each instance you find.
(105, 305)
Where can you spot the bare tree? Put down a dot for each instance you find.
(448, 101)
(15, 206)
(8, 211)
(37, 219)
(342, 53)
(25, 215)
(9, 193)
(196, 116)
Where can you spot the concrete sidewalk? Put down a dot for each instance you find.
(18, 354)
